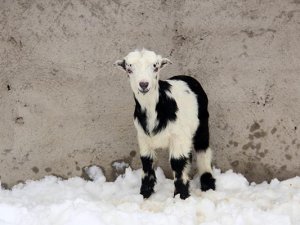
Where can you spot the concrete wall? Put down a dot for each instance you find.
(63, 106)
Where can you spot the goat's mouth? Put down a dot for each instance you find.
(143, 91)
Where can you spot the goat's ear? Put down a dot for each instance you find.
(120, 64)
(164, 62)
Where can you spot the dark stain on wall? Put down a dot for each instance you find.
(273, 131)
(254, 126)
(48, 169)
(262, 154)
(283, 167)
(19, 120)
(260, 134)
(133, 153)
(54, 71)
(234, 143)
(251, 145)
(14, 42)
(259, 32)
(6, 151)
(35, 169)
(288, 157)
(235, 163)
(40, 7)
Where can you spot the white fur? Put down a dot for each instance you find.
(185, 173)
(204, 161)
(141, 63)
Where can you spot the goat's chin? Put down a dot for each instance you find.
(144, 91)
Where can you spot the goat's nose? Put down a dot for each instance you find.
(144, 85)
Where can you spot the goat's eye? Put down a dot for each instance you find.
(129, 70)
(155, 67)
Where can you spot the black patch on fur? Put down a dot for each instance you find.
(166, 107)
(190, 157)
(178, 166)
(141, 116)
(147, 163)
(149, 180)
(207, 182)
(123, 64)
(201, 137)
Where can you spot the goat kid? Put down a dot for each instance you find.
(172, 115)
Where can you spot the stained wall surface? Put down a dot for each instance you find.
(63, 106)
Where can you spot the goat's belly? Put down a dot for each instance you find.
(174, 132)
(160, 140)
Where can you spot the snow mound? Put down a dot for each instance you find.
(230, 181)
(79, 202)
(95, 173)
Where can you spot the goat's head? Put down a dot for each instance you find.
(142, 68)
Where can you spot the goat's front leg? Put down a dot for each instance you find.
(148, 178)
(180, 159)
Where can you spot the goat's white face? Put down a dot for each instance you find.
(142, 68)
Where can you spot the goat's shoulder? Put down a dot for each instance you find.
(193, 85)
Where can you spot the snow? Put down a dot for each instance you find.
(77, 202)
(120, 165)
(95, 173)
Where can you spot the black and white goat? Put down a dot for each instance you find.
(168, 114)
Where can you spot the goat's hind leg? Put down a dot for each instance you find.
(180, 159)
(207, 181)
(204, 156)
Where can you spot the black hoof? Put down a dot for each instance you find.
(146, 191)
(207, 182)
(183, 195)
(181, 189)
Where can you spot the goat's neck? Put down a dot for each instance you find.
(149, 100)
